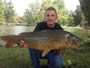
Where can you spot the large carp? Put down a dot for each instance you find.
(44, 41)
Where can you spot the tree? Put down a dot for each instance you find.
(45, 4)
(70, 19)
(31, 14)
(9, 12)
(63, 17)
(28, 16)
(59, 3)
(34, 14)
(78, 16)
(2, 9)
(86, 9)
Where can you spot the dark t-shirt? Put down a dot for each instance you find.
(43, 26)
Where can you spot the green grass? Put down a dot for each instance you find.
(19, 58)
(14, 58)
(79, 57)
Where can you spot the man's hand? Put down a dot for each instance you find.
(22, 44)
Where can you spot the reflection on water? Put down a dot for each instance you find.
(18, 29)
(9, 30)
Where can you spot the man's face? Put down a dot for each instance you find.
(50, 17)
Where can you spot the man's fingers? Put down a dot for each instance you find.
(22, 43)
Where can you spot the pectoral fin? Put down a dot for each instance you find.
(45, 53)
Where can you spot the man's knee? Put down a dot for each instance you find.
(59, 65)
(56, 61)
(56, 65)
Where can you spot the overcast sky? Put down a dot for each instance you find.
(21, 5)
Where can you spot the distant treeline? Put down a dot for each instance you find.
(35, 13)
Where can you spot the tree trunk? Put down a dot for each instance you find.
(86, 9)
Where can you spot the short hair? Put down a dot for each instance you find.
(51, 8)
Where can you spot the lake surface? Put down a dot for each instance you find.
(9, 30)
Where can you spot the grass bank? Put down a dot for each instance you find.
(19, 58)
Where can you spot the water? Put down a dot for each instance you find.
(9, 30)
(13, 30)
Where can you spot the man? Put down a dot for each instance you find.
(54, 60)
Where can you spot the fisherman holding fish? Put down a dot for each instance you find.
(55, 60)
(48, 40)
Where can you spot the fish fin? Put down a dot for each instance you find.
(7, 45)
(45, 52)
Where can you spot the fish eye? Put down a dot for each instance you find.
(67, 35)
(74, 38)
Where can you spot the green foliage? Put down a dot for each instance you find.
(31, 14)
(70, 19)
(59, 3)
(77, 17)
(28, 16)
(9, 12)
(63, 16)
(86, 9)
(35, 14)
(2, 9)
